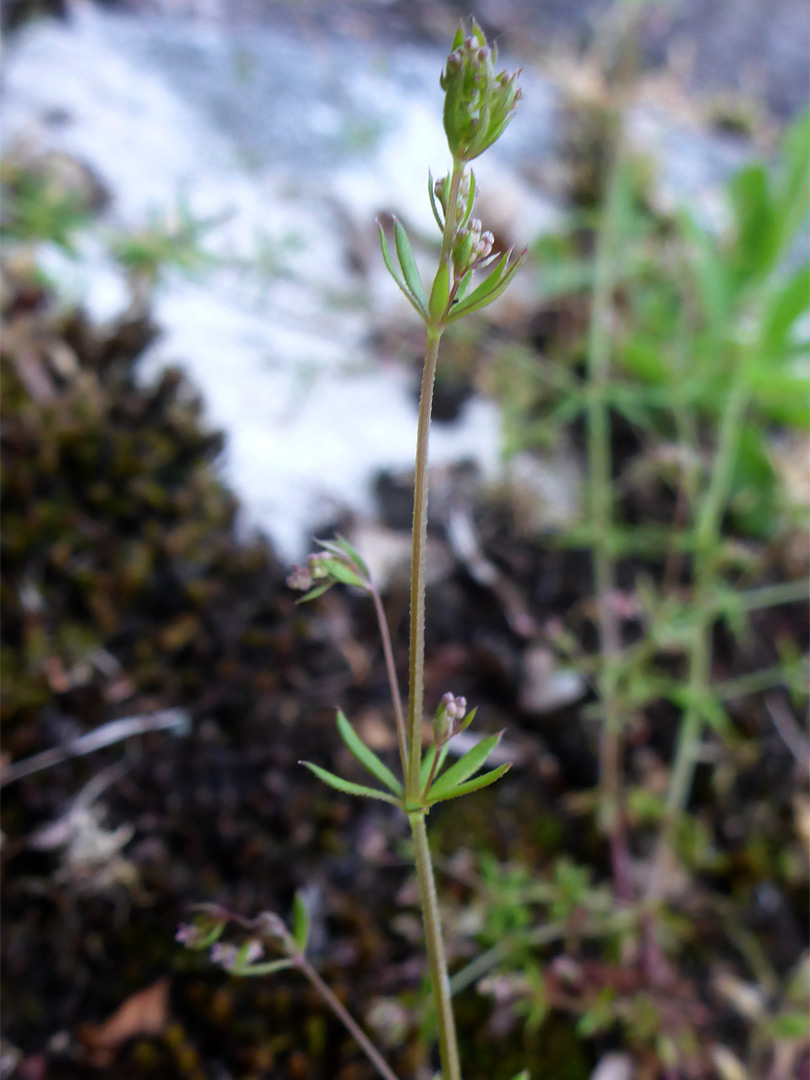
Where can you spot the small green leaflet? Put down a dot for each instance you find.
(386, 254)
(472, 785)
(489, 289)
(433, 205)
(347, 787)
(317, 590)
(464, 767)
(300, 922)
(367, 758)
(262, 969)
(408, 263)
(343, 573)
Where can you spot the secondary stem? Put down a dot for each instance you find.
(437, 962)
(347, 1020)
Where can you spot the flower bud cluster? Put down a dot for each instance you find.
(303, 577)
(441, 189)
(190, 935)
(478, 103)
(338, 562)
(449, 718)
(472, 247)
(455, 707)
(233, 957)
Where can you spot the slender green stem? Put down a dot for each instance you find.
(419, 537)
(345, 1017)
(757, 681)
(393, 682)
(437, 962)
(785, 592)
(416, 665)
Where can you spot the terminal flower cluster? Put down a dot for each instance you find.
(478, 103)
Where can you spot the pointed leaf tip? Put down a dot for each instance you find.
(366, 756)
(470, 763)
(408, 264)
(347, 787)
(471, 785)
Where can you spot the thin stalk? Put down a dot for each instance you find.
(437, 961)
(600, 500)
(348, 1021)
(416, 666)
(393, 682)
(757, 681)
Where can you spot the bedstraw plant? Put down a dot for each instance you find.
(478, 105)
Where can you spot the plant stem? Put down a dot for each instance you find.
(346, 1019)
(437, 962)
(600, 500)
(416, 666)
(393, 682)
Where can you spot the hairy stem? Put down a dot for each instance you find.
(437, 962)
(419, 537)
(416, 666)
(348, 1021)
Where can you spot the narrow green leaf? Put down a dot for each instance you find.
(470, 202)
(790, 302)
(465, 766)
(468, 306)
(264, 969)
(343, 573)
(386, 254)
(440, 291)
(463, 285)
(339, 784)
(427, 762)
(318, 590)
(489, 289)
(353, 555)
(425, 767)
(408, 263)
(471, 785)
(468, 719)
(300, 922)
(367, 758)
(433, 205)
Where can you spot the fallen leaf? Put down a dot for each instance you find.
(145, 1013)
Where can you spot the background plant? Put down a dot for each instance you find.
(695, 350)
